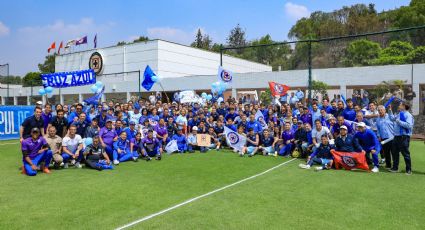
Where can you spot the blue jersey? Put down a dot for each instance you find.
(368, 140)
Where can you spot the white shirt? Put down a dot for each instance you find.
(318, 134)
(72, 144)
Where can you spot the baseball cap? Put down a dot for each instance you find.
(132, 123)
(195, 128)
(39, 103)
(361, 124)
(109, 120)
(343, 127)
(300, 122)
(35, 130)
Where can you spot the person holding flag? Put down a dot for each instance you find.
(235, 140)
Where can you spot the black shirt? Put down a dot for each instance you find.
(30, 123)
(59, 124)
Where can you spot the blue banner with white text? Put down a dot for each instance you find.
(69, 79)
(11, 118)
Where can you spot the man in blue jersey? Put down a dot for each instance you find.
(369, 143)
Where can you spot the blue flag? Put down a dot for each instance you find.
(389, 102)
(94, 100)
(147, 78)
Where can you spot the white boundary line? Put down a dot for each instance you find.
(12, 143)
(199, 197)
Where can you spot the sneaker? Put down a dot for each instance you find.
(148, 158)
(409, 172)
(382, 161)
(158, 158)
(241, 154)
(250, 155)
(78, 165)
(235, 151)
(116, 162)
(275, 154)
(318, 168)
(65, 165)
(218, 149)
(393, 170)
(61, 164)
(73, 162)
(304, 166)
(375, 169)
(135, 159)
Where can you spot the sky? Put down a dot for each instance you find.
(28, 27)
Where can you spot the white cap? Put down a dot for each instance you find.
(361, 124)
(343, 127)
(39, 103)
(195, 128)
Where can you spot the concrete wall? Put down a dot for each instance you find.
(340, 79)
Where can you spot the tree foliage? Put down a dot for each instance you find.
(48, 66)
(32, 79)
(319, 87)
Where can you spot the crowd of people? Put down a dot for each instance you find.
(59, 137)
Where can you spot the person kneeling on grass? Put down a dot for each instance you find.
(192, 142)
(181, 140)
(151, 147)
(369, 143)
(288, 139)
(96, 157)
(267, 143)
(322, 155)
(135, 146)
(35, 151)
(252, 140)
(122, 149)
(72, 148)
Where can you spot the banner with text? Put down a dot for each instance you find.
(69, 79)
(11, 118)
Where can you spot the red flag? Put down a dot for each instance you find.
(60, 47)
(52, 47)
(350, 160)
(278, 89)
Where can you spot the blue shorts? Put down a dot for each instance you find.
(325, 161)
(269, 149)
(250, 149)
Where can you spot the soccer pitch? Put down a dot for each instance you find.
(284, 198)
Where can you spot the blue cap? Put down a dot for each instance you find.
(132, 123)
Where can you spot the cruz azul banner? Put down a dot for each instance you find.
(69, 79)
(11, 118)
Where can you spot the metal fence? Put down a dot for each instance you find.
(397, 46)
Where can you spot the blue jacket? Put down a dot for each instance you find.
(368, 140)
(255, 125)
(350, 144)
(181, 142)
(123, 145)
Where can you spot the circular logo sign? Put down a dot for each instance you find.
(225, 76)
(96, 63)
(349, 161)
(233, 138)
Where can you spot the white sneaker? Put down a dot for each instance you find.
(235, 150)
(304, 166)
(241, 154)
(61, 164)
(78, 165)
(116, 162)
(73, 161)
(65, 166)
(375, 169)
(318, 168)
(275, 153)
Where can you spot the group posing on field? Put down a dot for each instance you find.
(105, 135)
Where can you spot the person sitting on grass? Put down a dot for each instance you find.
(322, 155)
(288, 138)
(96, 157)
(55, 144)
(181, 140)
(267, 143)
(122, 149)
(107, 137)
(252, 141)
(72, 148)
(215, 141)
(191, 140)
(151, 147)
(35, 154)
(161, 132)
(241, 131)
(135, 146)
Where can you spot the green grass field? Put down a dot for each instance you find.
(285, 198)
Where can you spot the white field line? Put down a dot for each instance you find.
(199, 197)
(11, 143)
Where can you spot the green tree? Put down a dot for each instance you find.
(395, 54)
(202, 41)
(361, 53)
(237, 38)
(141, 39)
(49, 64)
(121, 43)
(266, 97)
(32, 79)
(319, 87)
(14, 80)
(417, 55)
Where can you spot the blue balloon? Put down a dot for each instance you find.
(88, 141)
(41, 92)
(154, 78)
(209, 97)
(48, 89)
(99, 84)
(204, 95)
(94, 88)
